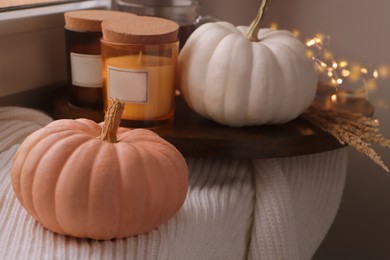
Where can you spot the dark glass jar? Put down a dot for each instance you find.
(82, 35)
(84, 68)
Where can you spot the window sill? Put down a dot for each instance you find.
(32, 46)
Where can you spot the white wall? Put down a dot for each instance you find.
(360, 32)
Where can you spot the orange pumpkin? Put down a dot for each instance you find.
(77, 179)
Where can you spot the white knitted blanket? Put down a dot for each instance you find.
(235, 209)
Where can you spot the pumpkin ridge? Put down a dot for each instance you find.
(119, 175)
(21, 152)
(297, 73)
(32, 210)
(200, 30)
(163, 197)
(89, 211)
(182, 190)
(176, 177)
(283, 96)
(80, 146)
(268, 82)
(89, 125)
(137, 224)
(203, 88)
(128, 136)
(225, 93)
(268, 34)
(140, 136)
(258, 97)
(138, 151)
(250, 83)
(56, 185)
(272, 91)
(79, 125)
(231, 67)
(161, 141)
(151, 175)
(304, 60)
(248, 104)
(122, 148)
(296, 77)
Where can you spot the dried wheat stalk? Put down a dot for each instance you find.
(349, 128)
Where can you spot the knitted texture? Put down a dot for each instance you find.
(235, 209)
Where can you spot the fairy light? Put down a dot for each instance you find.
(353, 77)
(274, 26)
(341, 74)
(333, 98)
(310, 42)
(323, 64)
(375, 74)
(333, 81)
(319, 36)
(364, 70)
(343, 64)
(296, 33)
(345, 73)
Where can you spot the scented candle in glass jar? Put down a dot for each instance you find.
(139, 68)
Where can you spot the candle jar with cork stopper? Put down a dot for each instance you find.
(82, 35)
(139, 68)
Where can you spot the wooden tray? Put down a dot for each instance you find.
(196, 136)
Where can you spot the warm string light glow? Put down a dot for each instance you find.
(349, 78)
(353, 78)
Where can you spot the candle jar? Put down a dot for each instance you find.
(139, 68)
(82, 35)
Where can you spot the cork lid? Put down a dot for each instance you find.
(91, 20)
(140, 30)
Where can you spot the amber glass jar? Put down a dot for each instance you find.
(82, 34)
(139, 68)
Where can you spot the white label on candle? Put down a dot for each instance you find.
(86, 70)
(130, 86)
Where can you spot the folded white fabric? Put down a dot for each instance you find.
(235, 209)
(16, 123)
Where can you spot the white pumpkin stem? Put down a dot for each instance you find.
(254, 28)
(112, 119)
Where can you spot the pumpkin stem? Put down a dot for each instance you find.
(254, 28)
(112, 120)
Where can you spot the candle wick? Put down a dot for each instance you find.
(140, 56)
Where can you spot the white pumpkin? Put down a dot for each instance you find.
(232, 79)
